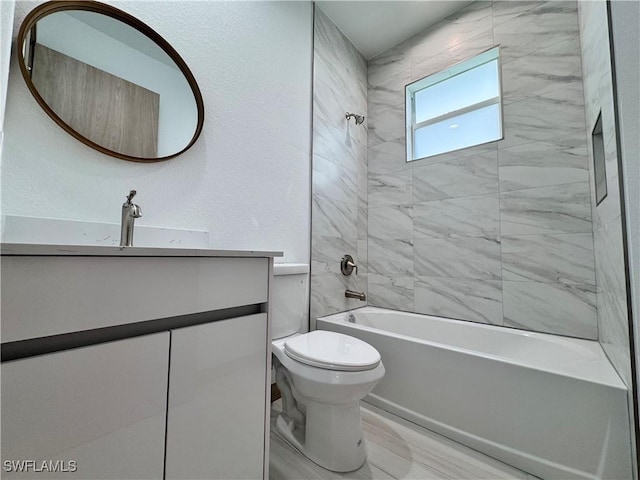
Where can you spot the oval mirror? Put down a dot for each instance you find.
(110, 80)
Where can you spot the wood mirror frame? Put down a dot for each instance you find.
(54, 6)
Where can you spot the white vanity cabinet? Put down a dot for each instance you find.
(99, 411)
(134, 368)
(215, 422)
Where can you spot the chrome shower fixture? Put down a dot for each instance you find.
(358, 118)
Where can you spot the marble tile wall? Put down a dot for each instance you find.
(339, 190)
(499, 233)
(607, 224)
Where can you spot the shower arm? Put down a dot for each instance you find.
(358, 119)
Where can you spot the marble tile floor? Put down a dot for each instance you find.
(397, 449)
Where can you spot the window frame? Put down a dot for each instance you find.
(415, 87)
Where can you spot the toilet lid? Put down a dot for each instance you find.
(332, 351)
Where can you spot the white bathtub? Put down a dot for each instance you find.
(551, 406)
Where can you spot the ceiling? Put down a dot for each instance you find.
(375, 26)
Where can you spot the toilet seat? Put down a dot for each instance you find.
(332, 351)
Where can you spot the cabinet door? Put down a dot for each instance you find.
(217, 385)
(102, 407)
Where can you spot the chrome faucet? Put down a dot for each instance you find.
(359, 295)
(130, 211)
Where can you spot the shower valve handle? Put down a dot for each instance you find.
(347, 265)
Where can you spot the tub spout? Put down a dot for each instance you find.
(359, 295)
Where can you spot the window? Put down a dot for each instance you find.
(456, 108)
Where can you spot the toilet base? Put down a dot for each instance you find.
(332, 437)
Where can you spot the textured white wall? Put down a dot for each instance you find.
(246, 180)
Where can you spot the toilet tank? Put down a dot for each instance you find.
(289, 311)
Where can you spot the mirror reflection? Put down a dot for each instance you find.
(110, 84)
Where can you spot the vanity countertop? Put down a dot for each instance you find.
(116, 251)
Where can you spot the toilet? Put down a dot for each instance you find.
(322, 377)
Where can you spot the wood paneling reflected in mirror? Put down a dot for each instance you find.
(75, 91)
(110, 80)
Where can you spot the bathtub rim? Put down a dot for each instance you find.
(592, 346)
